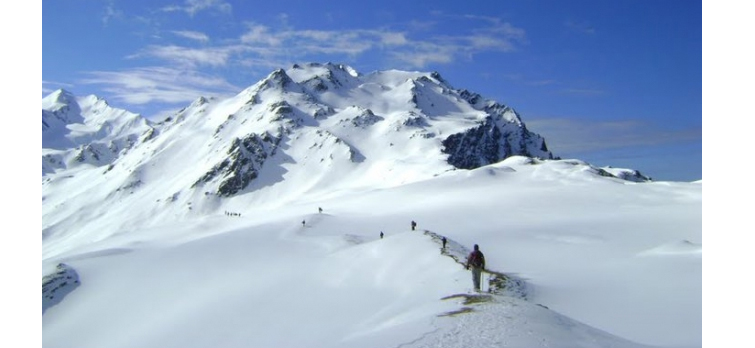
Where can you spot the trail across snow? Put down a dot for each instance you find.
(342, 271)
(577, 261)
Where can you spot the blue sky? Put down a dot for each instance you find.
(610, 82)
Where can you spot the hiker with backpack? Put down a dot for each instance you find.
(476, 260)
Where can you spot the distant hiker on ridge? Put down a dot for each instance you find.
(320, 209)
(381, 234)
(444, 242)
(302, 222)
(414, 224)
(477, 260)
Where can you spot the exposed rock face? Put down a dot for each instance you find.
(245, 159)
(628, 174)
(57, 285)
(491, 142)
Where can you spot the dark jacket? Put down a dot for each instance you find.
(476, 259)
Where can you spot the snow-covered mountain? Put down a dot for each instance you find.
(311, 128)
(206, 224)
(87, 131)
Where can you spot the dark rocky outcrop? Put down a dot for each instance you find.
(57, 285)
(245, 160)
(491, 142)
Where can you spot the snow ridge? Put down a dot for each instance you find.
(214, 210)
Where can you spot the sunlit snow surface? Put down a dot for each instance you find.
(606, 262)
(143, 249)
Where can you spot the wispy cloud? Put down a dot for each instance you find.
(264, 40)
(261, 46)
(159, 84)
(498, 28)
(572, 136)
(421, 54)
(193, 35)
(110, 12)
(189, 57)
(192, 7)
(260, 35)
(541, 82)
(580, 27)
(583, 91)
(404, 46)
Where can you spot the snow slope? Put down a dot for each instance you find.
(604, 262)
(204, 229)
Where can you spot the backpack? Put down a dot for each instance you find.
(476, 259)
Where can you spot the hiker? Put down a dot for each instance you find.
(444, 242)
(320, 209)
(414, 224)
(381, 234)
(477, 261)
(302, 222)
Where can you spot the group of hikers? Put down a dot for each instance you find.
(475, 259)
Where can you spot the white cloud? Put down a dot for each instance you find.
(402, 46)
(393, 39)
(110, 12)
(485, 42)
(260, 34)
(264, 47)
(509, 31)
(581, 27)
(189, 57)
(412, 48)
(193, 35)
(192, 7)
(158, 84)
(422, 54)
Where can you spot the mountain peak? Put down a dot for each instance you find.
(278, 78)
(324, 76)
(62, 93)
(329, 66)
(58, 98)
(436, 75)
